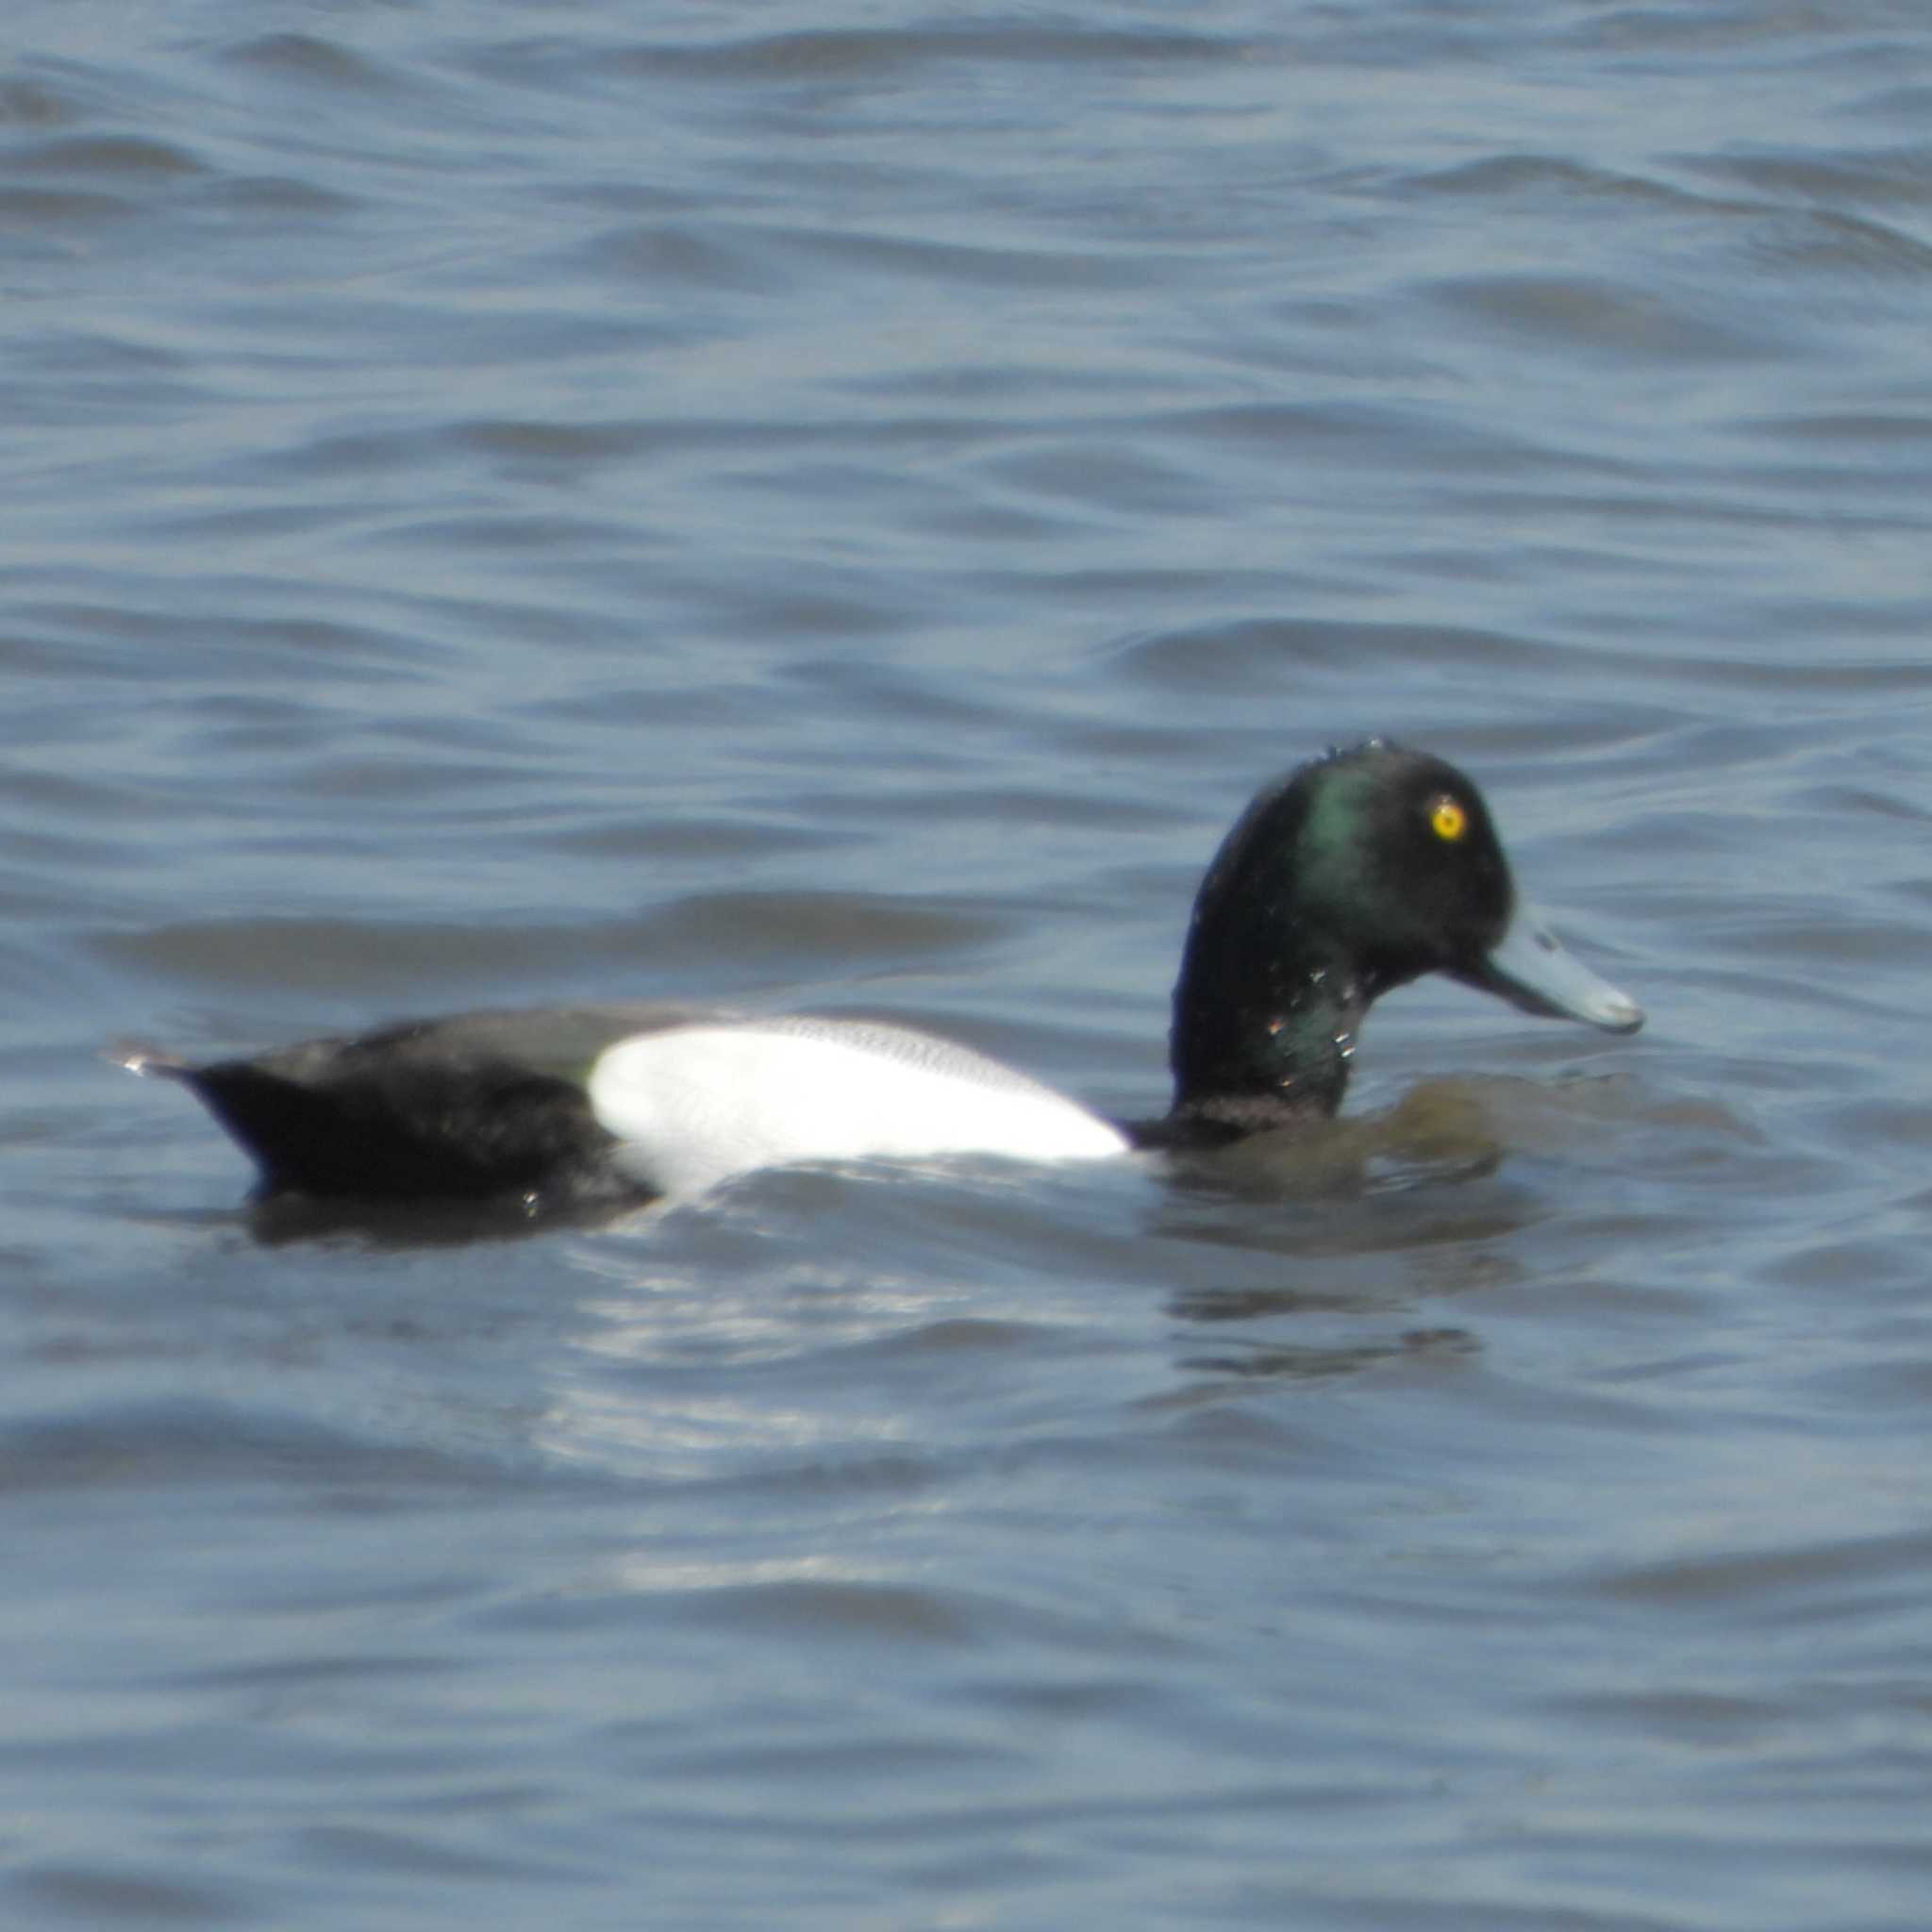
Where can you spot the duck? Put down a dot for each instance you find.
(1356, 872)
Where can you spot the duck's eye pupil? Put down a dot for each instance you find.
(1448, 820)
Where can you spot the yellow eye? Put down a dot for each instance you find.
(1448, 820)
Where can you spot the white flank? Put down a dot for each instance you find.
(695, 1105)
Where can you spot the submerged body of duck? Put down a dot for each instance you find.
(1351, 875)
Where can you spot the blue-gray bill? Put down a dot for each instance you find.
(1529, 968)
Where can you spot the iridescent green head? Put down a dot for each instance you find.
(1355, 873)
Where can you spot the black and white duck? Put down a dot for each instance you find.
(1353, 875)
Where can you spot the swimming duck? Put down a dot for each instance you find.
(1352, 875)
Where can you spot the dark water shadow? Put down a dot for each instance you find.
(288, 1219)
(1365, 1224)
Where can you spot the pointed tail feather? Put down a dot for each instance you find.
(141, 1058)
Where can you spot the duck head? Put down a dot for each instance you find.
(1354, 874)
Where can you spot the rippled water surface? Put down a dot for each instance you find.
(842, 506)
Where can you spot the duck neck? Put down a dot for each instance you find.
(1263, 1032)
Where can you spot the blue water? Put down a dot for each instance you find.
(841, 509)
